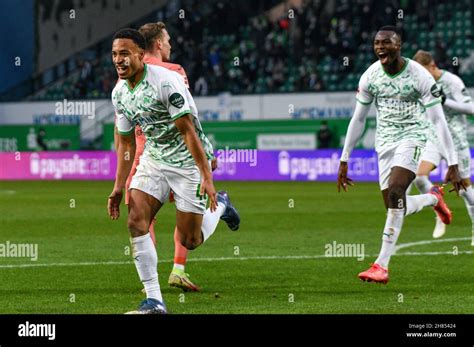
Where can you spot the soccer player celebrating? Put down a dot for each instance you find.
(457, 103)
(158, 52)
(175, 158)
(402, 90)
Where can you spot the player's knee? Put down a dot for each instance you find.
(396, 194)
(190, 242)
(136, 225)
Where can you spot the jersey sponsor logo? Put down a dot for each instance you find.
(176, 100)
(435, 91)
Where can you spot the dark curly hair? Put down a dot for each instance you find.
(132, 34)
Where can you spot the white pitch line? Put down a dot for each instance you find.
(289, 257)
(435, 253)
(14, 266)
(9, 266)
(427, 242)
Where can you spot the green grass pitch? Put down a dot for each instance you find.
(280, 266)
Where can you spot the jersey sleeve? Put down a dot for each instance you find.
(459, 91)
(122, 123)
(429, 91)
(364, 96)
(174, 96)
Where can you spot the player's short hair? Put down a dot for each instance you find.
(132, 34)
(152, 32)
(391, 28)
(423, 57)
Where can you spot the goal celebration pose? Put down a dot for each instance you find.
(404, 94)
(176, 157)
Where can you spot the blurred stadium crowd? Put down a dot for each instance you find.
(248, 47)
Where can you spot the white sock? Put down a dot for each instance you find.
(423, 184)
(179, 267)
(393, 226)
(146, 262)
(470, 211)
(415, 203)
(410, 187)
(210, 220)
(468, 196)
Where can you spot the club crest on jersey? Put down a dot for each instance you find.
(435, 91)
(176, 100)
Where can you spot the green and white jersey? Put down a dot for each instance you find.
(454, 88)
(160, 98)
(400, 101)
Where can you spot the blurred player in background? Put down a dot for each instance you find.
(158, 52)
(457, 103)
(401, 89)
(175, 158)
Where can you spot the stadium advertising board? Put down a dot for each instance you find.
(72, 165)
(87, 114)
(266, 134)
(224, 107)
(15, 138)
(234, 165)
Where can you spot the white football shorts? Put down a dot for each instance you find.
(433, 155)
(406, 155)
(157, 179)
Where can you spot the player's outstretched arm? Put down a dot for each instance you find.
(186, 127)
(460, 107)
(436, 115)
(125, 147)
(354, 132)
(461, 103)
